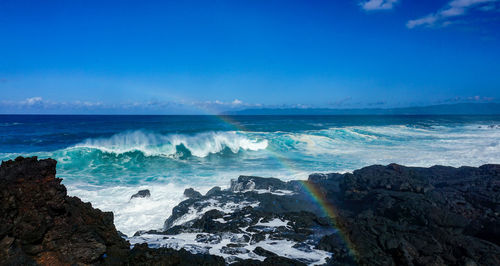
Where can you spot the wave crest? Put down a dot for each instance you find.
(153, 144)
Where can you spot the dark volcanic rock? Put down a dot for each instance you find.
(253, 210)
(396, 215)
(262, 252)
(142, 255)
(270, 261)
(142, 194)
(244, 183)
(213, 191)
(241, 196)
(191, 193)
(41, 225)
(385, 215)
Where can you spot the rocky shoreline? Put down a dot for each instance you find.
(378, 215)
(41, 225)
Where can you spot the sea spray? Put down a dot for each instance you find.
(153, 144)
(105, 160)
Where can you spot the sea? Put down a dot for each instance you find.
(106, 159)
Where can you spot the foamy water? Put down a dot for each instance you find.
(105, 160)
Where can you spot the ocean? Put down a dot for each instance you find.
(106, 159)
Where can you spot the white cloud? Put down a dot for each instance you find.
(237, 102)
(33, 100)
(378, 4)
(40, 105)
(453, 9)
(427, 20)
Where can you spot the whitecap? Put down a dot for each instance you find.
(154, 144)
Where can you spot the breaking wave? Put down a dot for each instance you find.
(174, 145)
(107, 169)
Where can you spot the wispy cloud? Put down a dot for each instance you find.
(40, 105)
(453, 9)
(218, 105)
(371, 5)
(32, 101)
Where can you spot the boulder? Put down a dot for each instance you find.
(142, 194)
(191, 193)
(41, 225)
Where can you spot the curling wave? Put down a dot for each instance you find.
(154, 144)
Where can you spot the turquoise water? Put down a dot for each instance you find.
(105, 159)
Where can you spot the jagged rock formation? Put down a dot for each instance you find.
(191, 193)
(142, 194)
(257, 221)
(396, 215)
(41, 225)
(385, 215)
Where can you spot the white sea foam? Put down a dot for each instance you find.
(364, 145)
(132, 215)
(276, 222)
(153, 144)
(278, 192)
(212, 204)
(299, 154)
(188, 241)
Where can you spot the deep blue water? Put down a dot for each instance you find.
(105, 159)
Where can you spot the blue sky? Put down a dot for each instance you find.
(210, 56)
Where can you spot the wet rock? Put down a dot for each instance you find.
(302, 247)
(384, 215)
(240, 239)
(208, 238)
(275, 260)
(263, 252)
(248, 183)
(141, 254)
(141, 194)
(269, 261)
(213, 191)
(234, 250)
(191, 193)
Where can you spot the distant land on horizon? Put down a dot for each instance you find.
(441, 109)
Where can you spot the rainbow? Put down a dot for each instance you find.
(312, 190)
(330, 211)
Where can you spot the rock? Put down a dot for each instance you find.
(386, 215)
(276, 260)
(191, 193)
(41, 225)
(407, 215)
(208, 238)
(141, 254)
(52, 228)
(122, 235)
(142, 194)
(213, 191)
(248, 183)
(234, 250)
(264, 253)
(270, 261)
